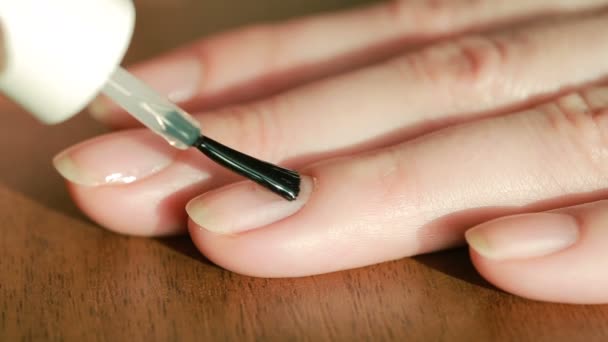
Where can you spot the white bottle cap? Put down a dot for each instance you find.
(60, 53)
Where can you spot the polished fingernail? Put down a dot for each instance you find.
(118, 158)
(524, 236)
(178, 79)
(244, 206)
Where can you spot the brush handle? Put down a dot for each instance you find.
(283, 182)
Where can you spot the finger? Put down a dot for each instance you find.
(261, 60)
(300, 126)
(558, 256)
(441, 85)
(412, 198)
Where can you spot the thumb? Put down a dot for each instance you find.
(559, 256)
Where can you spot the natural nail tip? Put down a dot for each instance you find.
(525, 236)
(193, 211)
(478, 243)
(244, 207)
(80, 172)
(203, 219)
(68, 170)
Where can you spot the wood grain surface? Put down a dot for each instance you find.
(62, 278)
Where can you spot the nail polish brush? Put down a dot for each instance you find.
(183, 132)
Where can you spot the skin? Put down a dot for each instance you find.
(413, 122)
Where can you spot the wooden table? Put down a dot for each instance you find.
(62, 278)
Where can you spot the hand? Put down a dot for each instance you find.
(410, 128)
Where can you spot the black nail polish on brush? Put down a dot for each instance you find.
(283, 182)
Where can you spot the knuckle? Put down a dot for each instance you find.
(478, 60)
(472, 62)
(582, 126)
(394, 177)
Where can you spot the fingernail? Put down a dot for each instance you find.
(178, 79)
(118, 158)
(524, 236)
(243, 207)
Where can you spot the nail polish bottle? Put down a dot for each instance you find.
(59, 54)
